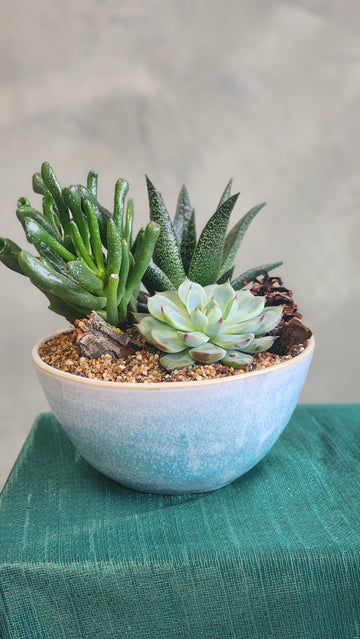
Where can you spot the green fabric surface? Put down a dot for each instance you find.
(275, 554)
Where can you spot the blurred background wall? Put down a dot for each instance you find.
(190, 91)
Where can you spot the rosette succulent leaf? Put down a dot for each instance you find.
(210, 258)
(206, 324)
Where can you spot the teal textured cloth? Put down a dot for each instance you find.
(275, 554)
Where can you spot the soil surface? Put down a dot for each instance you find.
(143, 366)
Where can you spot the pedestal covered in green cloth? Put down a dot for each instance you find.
(275, 554)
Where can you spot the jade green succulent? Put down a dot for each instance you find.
(86, 257)
(209, 259)
(207, 324)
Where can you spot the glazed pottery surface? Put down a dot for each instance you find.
(177, 437)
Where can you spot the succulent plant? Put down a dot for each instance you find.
(208, 324)
(86, 257)
(209, 259)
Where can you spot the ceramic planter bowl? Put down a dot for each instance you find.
(175, 437)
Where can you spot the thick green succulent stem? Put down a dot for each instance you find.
(123, 275)
(112, 310)
(87, 261)
(72, 198)
(44, 276)
(82, 250)
(23, 201)
(80, 272)
(27, 212)
(92, 182)
(35, 233)
(9, 252)
(129, 222)
(142, 258)
(121, 190)
(51, 182)
(114, 253)
(102, 214)
(56, 261)
(38, 184)
(49, 210)
(95, 238)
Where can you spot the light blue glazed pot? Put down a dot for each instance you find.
(179, 437)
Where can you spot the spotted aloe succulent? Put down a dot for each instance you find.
(207, 259)
(208, 324)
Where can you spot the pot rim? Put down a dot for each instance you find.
(40, 364)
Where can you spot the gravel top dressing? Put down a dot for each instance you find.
(143, 366)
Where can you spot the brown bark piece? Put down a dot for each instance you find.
(94, 337)
(291, 334)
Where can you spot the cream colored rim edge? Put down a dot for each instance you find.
(154, 385)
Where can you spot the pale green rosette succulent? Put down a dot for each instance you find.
(208, 324)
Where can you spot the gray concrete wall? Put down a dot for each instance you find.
(191, 91)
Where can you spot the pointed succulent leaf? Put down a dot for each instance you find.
(260, 344)
(176, 319)
(249, 306)
(209, 306)
(166, 252)
(236, 342)
(226, 193)
(206, 260)
(182, 214)
(214, 314)
(223, 294)
(184, 289)
(209, 290)
(234, 237)
(236, 359)
(174, 361)
(252, 273)
(198, 319)
(195, 297)
(167, 339)
(139, 315)
(250, 326)
(272, 317)
(154, 279)
(230, 309)
(146, 324)
(193, 339)
(188, 243)
(226, 276)
(174, 297)
(157, 302)
(214, 329)
(207, 353)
